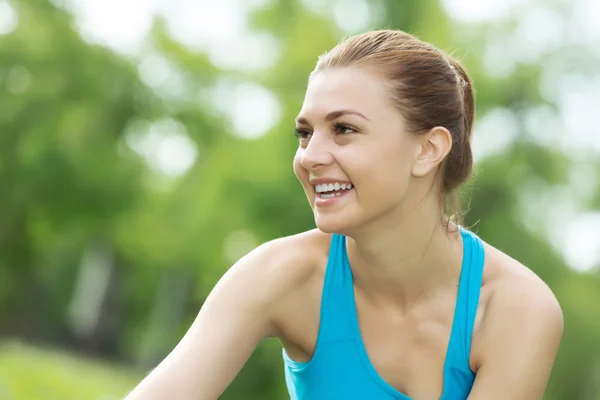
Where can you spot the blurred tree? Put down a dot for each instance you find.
(63, 176)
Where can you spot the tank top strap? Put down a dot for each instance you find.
(335, 320)
(469, 288)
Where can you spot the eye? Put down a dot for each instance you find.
(302, 133)
(343, 129)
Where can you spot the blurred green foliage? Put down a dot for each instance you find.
(103, 253)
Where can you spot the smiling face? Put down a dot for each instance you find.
(351, 134)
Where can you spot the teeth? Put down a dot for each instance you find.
(329, 187)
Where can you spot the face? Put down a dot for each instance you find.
(355, 159)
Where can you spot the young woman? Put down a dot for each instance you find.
(388, 298)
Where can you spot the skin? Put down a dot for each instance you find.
(406, 266)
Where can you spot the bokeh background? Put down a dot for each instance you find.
(145, 145)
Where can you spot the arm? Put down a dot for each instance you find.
(518, 344)
(236, 317)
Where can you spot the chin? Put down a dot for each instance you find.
(334, 224)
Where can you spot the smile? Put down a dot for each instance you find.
(332, 188)
(328, 192)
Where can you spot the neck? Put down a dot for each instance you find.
(405, 256)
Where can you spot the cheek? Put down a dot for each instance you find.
(300, 172)
(399, 157)
(389, 167)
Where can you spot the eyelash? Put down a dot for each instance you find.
(338, 127)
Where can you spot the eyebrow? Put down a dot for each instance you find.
(333, 115)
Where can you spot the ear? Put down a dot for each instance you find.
(434, 147)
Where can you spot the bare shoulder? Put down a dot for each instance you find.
(514, 300)
(277, 269)
(515, 288)
(517, 333)
(297, 268)
(292, 260)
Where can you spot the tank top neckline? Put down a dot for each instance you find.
(455, 333)
(340, 366)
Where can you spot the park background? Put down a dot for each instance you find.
(146, 145)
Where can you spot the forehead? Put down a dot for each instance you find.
(346, 88)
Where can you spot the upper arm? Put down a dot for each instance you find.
(235, 318)
(519, 340)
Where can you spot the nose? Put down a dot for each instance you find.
(317, 153)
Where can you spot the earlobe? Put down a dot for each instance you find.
(434, 147)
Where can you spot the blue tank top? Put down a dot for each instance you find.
(340, 367)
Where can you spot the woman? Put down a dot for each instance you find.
(389, 298)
